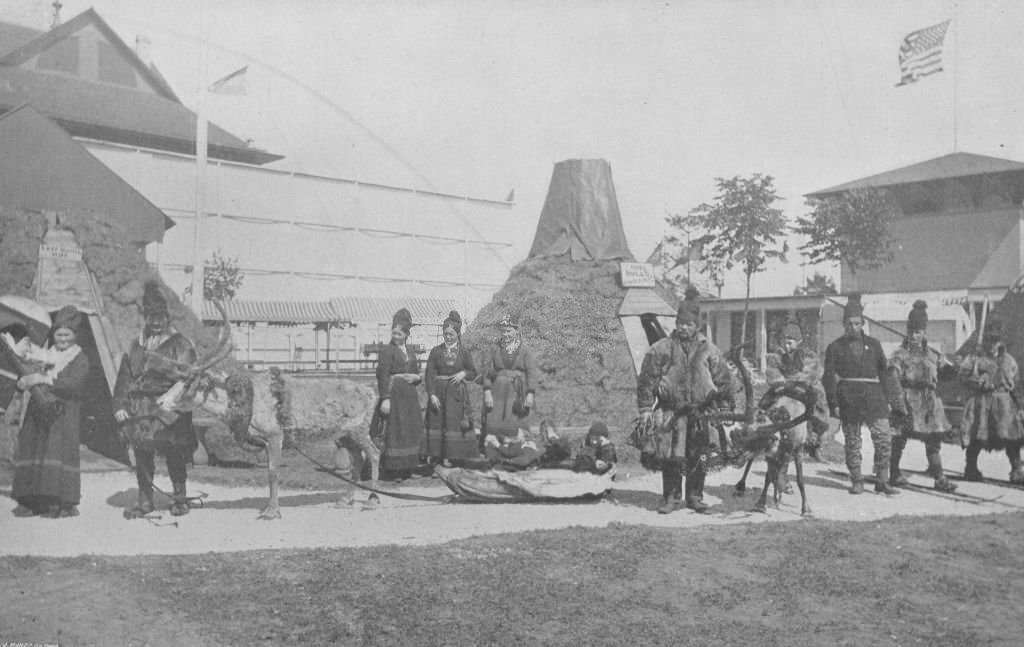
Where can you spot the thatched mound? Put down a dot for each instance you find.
(569, 317)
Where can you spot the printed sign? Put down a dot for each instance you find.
(636, 275)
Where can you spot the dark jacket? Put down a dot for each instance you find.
(857, 379)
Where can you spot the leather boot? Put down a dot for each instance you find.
(971, 471)
(882, 484)
(1016, 469)
(895, 475)
(695, 492)
(942, 484)
(856, 482)
(668, 499)
(144, 505)
(180, 505)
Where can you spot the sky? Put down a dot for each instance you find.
(480, 97)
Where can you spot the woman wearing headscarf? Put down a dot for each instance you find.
(992, 410)
(398, 407)
(47, 480)
(449, 420)
(509, 383)
(916, 367)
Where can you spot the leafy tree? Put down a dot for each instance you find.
(850, 227)
(222, 277)
(739, 228)
(817, 284)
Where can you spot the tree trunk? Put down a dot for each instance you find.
(746, 310)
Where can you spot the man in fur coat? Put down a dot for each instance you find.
(682, 376)
(143, 378)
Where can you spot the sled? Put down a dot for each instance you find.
(540, 485)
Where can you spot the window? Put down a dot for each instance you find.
(113, 67)
(62, 57)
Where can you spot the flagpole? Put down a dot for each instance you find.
(956, 64)
(201, 151)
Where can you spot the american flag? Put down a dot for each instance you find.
(921, 53)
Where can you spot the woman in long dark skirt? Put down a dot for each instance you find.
(450, 431)
(398, 407)
(47, 480)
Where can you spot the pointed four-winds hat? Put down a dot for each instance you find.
(918, 317)
(154, 303)
(689, 309)
(402, 319)
(853, 307)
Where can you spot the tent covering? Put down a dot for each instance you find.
(43, 169)
(581, 214)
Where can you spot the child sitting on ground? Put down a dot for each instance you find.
(597, 454)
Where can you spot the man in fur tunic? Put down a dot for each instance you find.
(143, 378)
(916, 367)
(681, 376)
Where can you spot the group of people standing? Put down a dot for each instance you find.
(897, 399)
(447, 432)
(684, 377)
(47, 479)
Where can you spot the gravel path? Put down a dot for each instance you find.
(324, 519)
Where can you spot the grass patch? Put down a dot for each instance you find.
(905, 581)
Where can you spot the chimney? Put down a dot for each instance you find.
(142, 49)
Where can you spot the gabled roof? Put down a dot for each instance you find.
(121, 115)
(43, 169)
(14, 36)
(945, 167)
(89, 17)
(104, 111)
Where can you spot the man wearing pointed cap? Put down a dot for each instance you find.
(860, 392)
(150, 429)
(992, 419)
(915, 366)
(682, 376)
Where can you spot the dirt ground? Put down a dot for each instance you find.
(917, 569)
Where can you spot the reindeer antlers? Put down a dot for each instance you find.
(222, 348)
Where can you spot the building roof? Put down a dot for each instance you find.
(43, 169)
(14, 36)
(338, 310)
(424, 312)
(106, 111)
(944, 167)
(278, 312)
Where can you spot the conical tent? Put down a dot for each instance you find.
(568, 298)
(581, 214)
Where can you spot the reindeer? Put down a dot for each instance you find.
(254, 422)
(789, 405)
